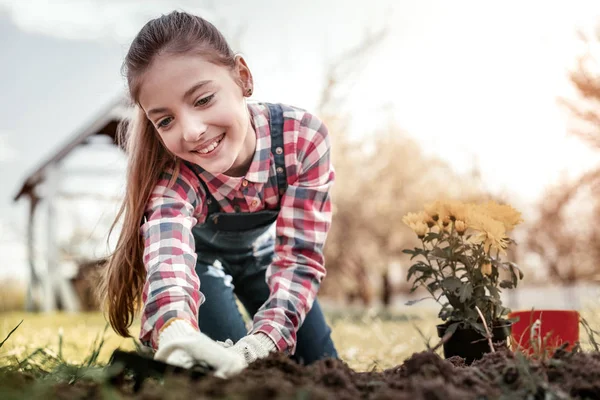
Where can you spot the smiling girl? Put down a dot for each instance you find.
(233, 200)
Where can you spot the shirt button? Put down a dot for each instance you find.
(244, 183)
(237, 208)
(279, 150)
(279, 170)
(254, 203)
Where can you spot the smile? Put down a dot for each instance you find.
(210, 147)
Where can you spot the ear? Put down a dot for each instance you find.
(244, 75)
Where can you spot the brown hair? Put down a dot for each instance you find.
(125, 273)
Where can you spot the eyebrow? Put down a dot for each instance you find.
(188, 93)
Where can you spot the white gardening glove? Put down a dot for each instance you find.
(252, 347)
(181, 345)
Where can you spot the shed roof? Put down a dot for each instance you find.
(104, 123)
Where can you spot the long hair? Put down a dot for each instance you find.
(125, 273)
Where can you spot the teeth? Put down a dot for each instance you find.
(210, 147)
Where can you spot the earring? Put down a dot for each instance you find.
(249, 92)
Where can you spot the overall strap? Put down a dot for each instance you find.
(212, 204)
(277, 148)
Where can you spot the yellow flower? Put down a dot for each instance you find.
(434, 209)
(420, 228)
(445, 221)
(429, 221)
(417, 222)
(492, 232)
(503, 213)
(486, 269)
(456, 210)
(441, 209)
(413, 218)
(460, 227)
(490, 242)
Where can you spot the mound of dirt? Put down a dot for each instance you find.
(424, 376)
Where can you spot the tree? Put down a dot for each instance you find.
(376, 185)
(567, 231)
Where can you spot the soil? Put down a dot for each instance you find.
(424, 376)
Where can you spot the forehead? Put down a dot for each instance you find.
(170, 76)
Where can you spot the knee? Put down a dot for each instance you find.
(314, 340)
(214, 272)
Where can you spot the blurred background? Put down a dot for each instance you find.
(466, 99)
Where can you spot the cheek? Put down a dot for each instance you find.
(171, 143)
(232, 113)
(226, 117)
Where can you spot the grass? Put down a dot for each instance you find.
(366, 340)
(391, 337)
(66, 349)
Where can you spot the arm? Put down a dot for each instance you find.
(172, 296)
(172, 288)
(295, 275)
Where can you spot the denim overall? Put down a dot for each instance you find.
(234, 251)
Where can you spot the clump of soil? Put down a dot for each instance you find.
(423, 376)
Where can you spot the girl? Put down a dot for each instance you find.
(233, 198)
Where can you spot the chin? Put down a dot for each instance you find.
(216, 168)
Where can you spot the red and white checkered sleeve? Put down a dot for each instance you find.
(172, 287)
(298, 268)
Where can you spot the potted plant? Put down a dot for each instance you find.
(459, 263)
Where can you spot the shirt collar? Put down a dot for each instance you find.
(261, 163)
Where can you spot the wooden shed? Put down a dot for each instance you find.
(50, 290)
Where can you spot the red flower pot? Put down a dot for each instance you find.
(555, 328)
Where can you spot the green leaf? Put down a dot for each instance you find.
(441, 253)
(452, 284)
(493, 291)
(416, 252)
(431, 236)
(445, 312)
(418, 267)
(464, 260)
(451, 329)
(10, 333)
(466, 291)
(411, 302)
(478, 327)
(507, 284)
(501, 311)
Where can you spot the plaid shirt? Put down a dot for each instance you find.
(172, 285)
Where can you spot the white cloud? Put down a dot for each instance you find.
(8, 152)
(93, 19)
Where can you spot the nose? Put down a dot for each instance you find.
(193, 128)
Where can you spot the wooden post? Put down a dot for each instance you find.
(34, 290)
(57, 286)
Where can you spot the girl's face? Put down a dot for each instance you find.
(199, 111)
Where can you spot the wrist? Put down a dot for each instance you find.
(266, 342)
(175, 328)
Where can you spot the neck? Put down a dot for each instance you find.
(246, 154)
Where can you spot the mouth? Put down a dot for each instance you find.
(210, 147)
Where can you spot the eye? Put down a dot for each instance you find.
(163, 123)
(205, 100)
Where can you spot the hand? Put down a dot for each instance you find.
(251, 347)
(181, 345)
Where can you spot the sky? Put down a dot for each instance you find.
(475, 83)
